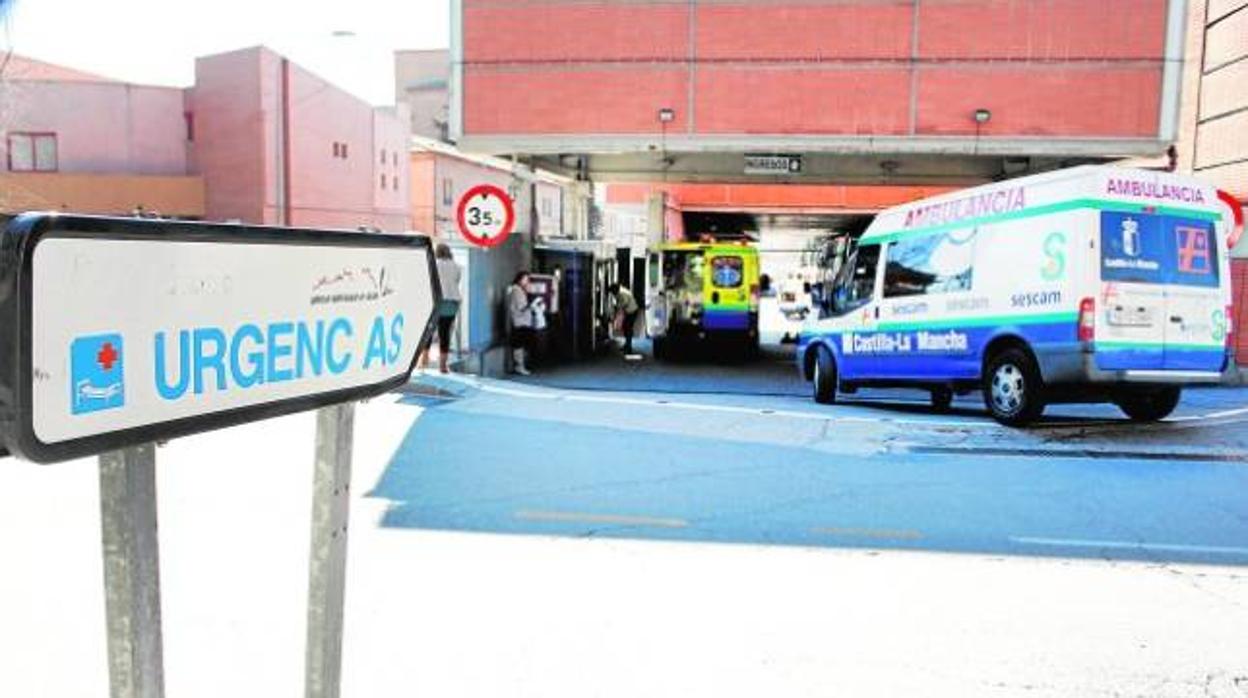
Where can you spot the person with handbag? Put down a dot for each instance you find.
(520, 314)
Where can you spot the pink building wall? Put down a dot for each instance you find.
(329, 145)
(229, 134)
(101, 127)
(274, 143)
(391, 164)
(454, 176)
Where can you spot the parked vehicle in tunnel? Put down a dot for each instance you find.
(1081, 285)
(703, 291)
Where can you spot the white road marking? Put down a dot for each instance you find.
(547, 394)
(1130, 545)
(984, 423)
(1211, 415)
(875, 533)
(617, 519)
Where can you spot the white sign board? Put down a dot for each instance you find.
(130, 333)
(773, 164)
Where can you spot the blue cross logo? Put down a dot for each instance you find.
(97, 373)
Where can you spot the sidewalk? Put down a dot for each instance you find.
(452, 614)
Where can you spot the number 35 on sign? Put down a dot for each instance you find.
(485, 215)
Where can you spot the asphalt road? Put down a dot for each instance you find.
(660, 457)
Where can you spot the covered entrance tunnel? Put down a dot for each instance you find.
(796, 255)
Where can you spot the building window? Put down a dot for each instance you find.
(396, 182)
(383, 180)
(344, 151)
(383, 156)
(394, 159)
(189, 117)
(337, 151)
(32, 152)
(446, 192)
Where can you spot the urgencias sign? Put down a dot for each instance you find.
(124, 331)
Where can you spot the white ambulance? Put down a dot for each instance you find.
(1080, 285)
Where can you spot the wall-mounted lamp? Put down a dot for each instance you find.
(982, 116)
(667, 115)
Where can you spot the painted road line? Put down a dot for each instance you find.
(614, 519)
(1130, 545)
(1212, 415)
(1077, 453)
(570, 396)
(977, 423)
(873, 533)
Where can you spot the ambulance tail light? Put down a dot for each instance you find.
(1087, 320)
(1229, 340)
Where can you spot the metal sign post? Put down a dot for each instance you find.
(131, 572)
(327, 569)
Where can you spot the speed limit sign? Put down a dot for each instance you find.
(485, 215)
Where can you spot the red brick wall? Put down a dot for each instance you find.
(772, 197)
(1239, 299)
(803, 31)
(1043, 67)
(1065, 68)
(1042, 29)
(598, 100)
(1077, 101)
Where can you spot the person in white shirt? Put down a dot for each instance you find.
(520, 313)
(449, 275)
(626, 312)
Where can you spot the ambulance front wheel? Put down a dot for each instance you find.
(825, 376)
(1013, 389)
(1149, 405)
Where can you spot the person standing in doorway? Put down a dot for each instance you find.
(520, 314)
(449, 275)
(626, 312)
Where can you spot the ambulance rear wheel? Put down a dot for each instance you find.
(942, 399)
(1013, 389)
(825, 376)
(1149, 405)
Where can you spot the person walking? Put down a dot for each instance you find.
(449, 276)
(626, 312)
(520, 314)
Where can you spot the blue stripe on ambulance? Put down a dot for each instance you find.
(938, 350)
(713, 319)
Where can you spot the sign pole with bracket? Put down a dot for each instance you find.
(327, 560)
(131, 572)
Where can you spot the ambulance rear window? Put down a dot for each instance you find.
(727, 272)
(1153, 249)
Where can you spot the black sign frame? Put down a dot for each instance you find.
(23, 234)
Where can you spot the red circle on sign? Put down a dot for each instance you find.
(472, 233)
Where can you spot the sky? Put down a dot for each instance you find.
(156, 41)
